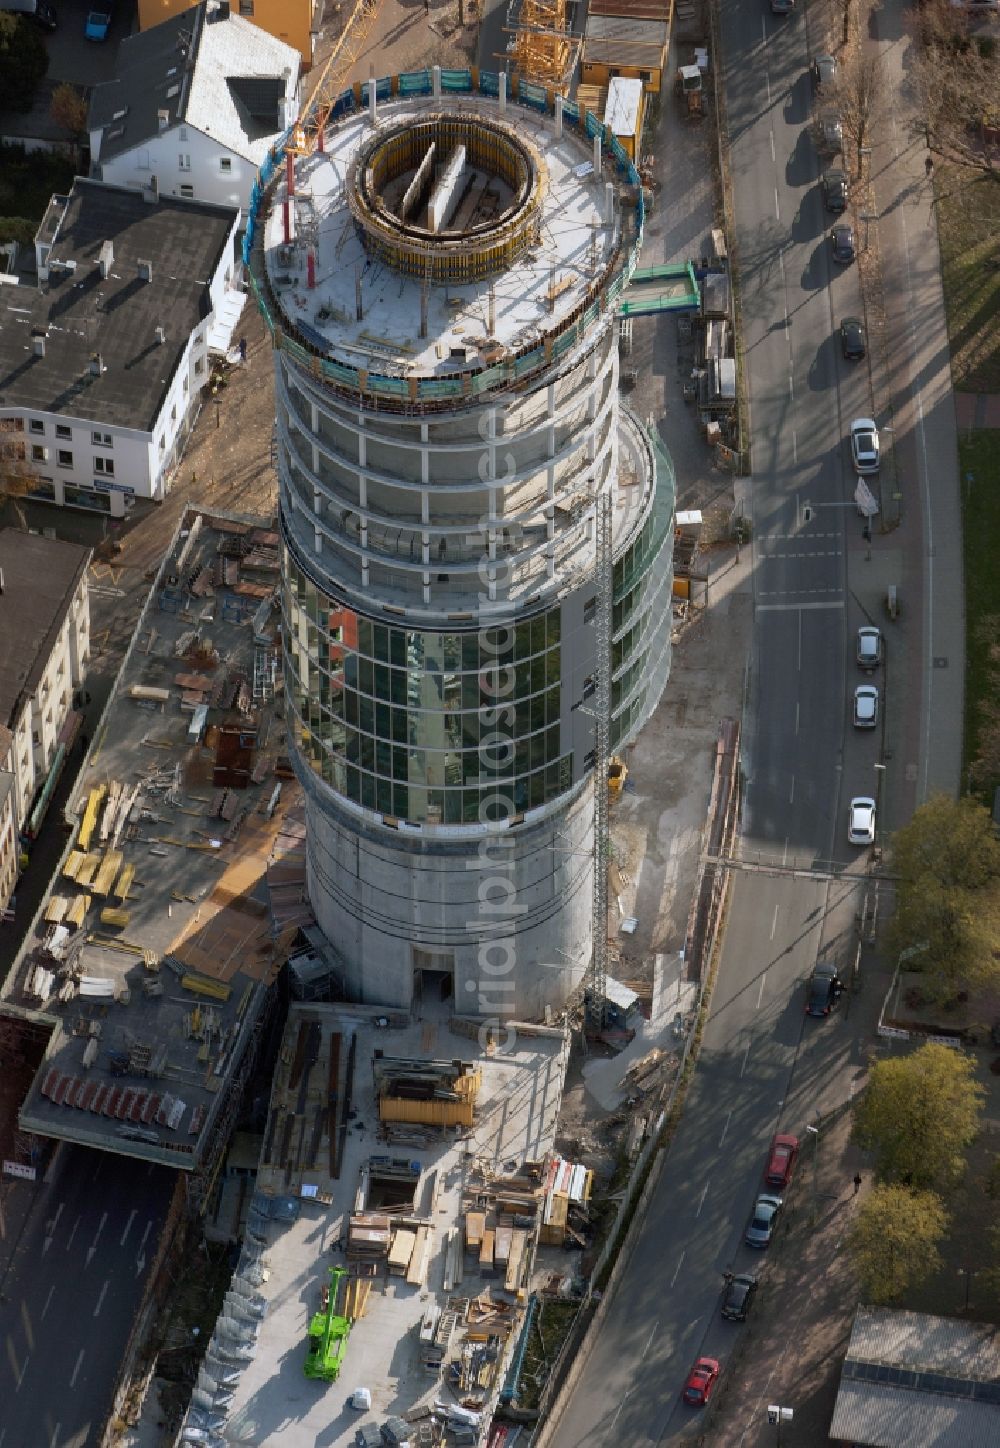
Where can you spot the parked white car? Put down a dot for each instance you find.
(865, 706)
(864, 445)
(861, 826)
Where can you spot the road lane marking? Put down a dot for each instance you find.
(79, 1364)
(702, 1202)
(777, 209)
(128, 1226)
(781, 266)
(149, 1228)
(746, 1057)
(771, 138)
(791, 382)
(760, 993)
(787, 607)
(791, 792)
(795, 440)
(677, 1269)
(784, 861)
(767, 86)
(763, 30)
(726, 1127)
(103, 1293)
(649, 1340)
(797, 713)
(774, 922)
(72, 1234)
(48, 1300)
(55, 1436)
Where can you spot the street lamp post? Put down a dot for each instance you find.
(968, 1274)
(814, 1133)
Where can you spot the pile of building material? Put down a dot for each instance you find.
(429, 1093)
(369, 1237)
(500, 1225)
(567, 1185)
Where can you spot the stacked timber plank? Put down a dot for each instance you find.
(369, 1237)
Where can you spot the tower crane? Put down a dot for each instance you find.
(314, 114)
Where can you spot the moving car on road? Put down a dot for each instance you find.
(865, 706)
(740, 1293)
(825, 989)
(834, 184)
(852, 339)
(864, 444)
(781, 1160)
(869, 649)
(701, 1380)
(861, 821)
(842, 243)
(763, 1221)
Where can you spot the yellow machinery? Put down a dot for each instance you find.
(617, 775)
(544, 51)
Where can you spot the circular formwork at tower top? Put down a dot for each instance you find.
(401, 170)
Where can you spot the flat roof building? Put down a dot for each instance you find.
(151, 961)
(102, 363)
(910, 1377)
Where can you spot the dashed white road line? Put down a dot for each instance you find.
(101, 1296)
(701, 1203)
(760, 993)
(774, 922)
(76, 1369)
(726, 1127)
(128, 1227)
(677, 1269)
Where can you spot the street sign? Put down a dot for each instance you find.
(18, 1169)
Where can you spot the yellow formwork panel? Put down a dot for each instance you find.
(426, 1113)
(90, 815)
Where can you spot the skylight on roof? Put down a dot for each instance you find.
(120, 115)
(173, 90)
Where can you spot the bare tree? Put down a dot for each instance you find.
(862, 97)
(16, 476)
(957, 84)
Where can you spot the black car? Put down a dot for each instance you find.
(852, 338)
(825, 989)
(834, 185)
(740, 1292)
(842, 243)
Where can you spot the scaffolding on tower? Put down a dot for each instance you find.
(598, 983)
(544, 50)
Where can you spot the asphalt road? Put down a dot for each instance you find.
(762, 1067)
(76, 1263)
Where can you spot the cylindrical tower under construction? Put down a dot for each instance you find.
(441, 277)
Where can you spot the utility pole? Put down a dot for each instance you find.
(602, 734)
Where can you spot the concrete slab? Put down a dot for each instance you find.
(515, 1121)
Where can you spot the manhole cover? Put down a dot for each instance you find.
(940, 662)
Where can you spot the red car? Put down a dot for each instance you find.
(781, 1161)
(701, 1380)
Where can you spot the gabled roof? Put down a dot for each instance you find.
(81, 313)
(225, 78)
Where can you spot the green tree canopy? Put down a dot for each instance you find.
(893, 1240)
(948, 863)
(917, 1115)
(24, 62)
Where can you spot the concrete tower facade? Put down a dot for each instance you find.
(441, 281)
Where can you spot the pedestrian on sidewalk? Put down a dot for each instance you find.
(929, 166)
(857, 1182)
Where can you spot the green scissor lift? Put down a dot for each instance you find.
(328, 1334)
